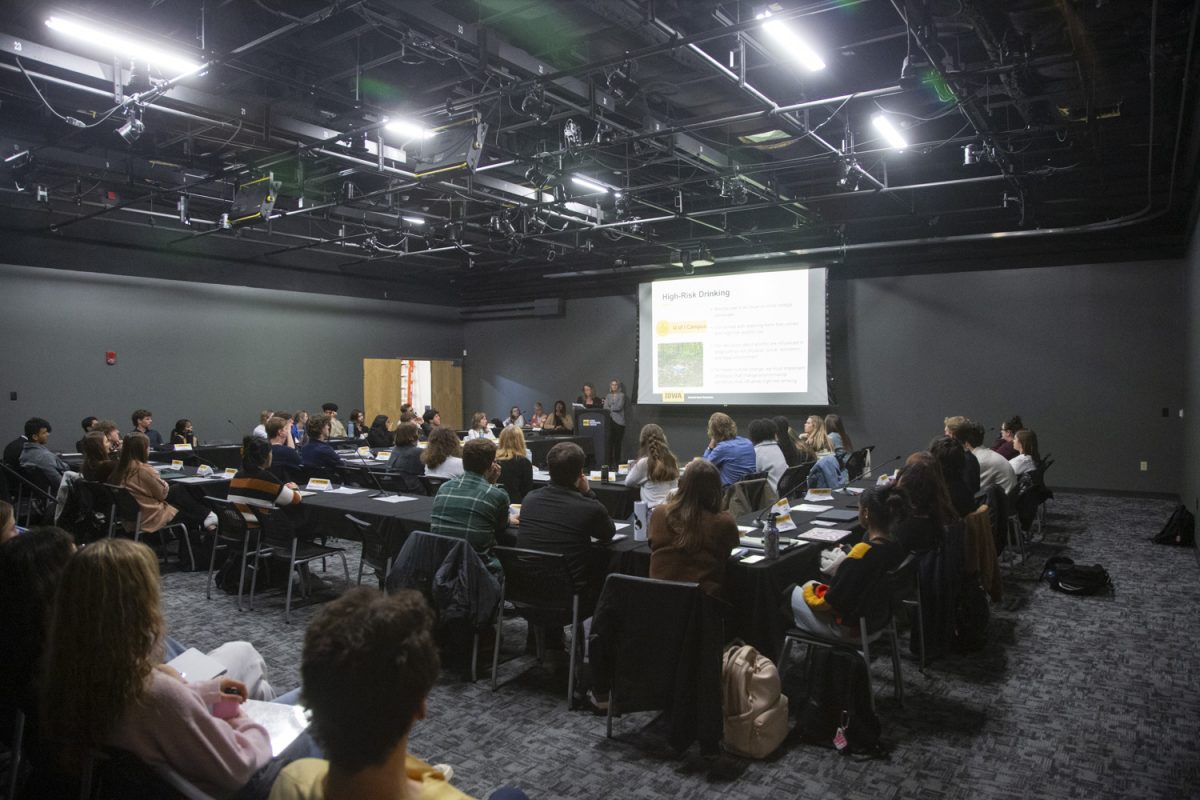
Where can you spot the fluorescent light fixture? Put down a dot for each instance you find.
(409, 129)
(797, 48)
(587, 183)
(124, 47)
(889, 132)
(413, 220)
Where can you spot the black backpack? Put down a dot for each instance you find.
(837, 699)
(1180, 529)
(1065, 576)
(971, 616)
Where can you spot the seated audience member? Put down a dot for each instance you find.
(767, 455)
(690, 536)
(859, 587)
(12, 450)
(587, 397)
(471, 506)
(406, 456)
(102, 686)
(1024, 442)
(560, 420)
(255, 485)
(994, 469)
(336, 429)
(317, 451)
(480, 427)
(787, 445)
(656, 471)
(515, 418)
(112, 436)
(356, 426)
(443, 454)
(288, 439)
(8, 524)
(732, 455)
(368, 665)
(431, 419)
(182, 433)
(932, 509)
(951, 457)
(1004, 442)
(564, 516)
(379, 435)
(260, 430)
(160, 504)
(815, 437)
(88, 424)
(98, 464)
(836, 431)
(538, 418)
(36, 457)
(142, 420)
(516, 470)
(299, 424)
(956, 427)
(284, 459)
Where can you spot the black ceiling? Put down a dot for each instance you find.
(1077, 114)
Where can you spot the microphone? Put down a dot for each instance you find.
(890, 461)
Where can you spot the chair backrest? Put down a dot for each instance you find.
(857, 462)
(128, 510)
(431, 483)
(750, 494)
(418, 560)
(231, 524)
(355, 476)
(379, 550)
(536, 579)
(402, 482)
(794, 478)
(302, 474)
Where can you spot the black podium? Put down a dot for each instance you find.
(593, 423)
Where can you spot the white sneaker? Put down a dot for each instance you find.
(446, 770)
(210, 522)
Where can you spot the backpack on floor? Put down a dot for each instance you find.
(971, 617)
(755, 708)
(1065, 576)
(836, 708)
(1179, 530)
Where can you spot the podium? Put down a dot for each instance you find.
(593, 423)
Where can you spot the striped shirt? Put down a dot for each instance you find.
(260, 489)
(470, 508)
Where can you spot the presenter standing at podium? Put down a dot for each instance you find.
(614, 403)
(588, 398)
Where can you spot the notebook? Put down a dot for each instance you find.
(196, 666)
(840, 514)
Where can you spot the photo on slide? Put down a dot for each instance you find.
(680, 365)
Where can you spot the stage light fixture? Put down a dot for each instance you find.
(690, 256)
(133, 128)
(534, 105)
(623, 87)
(124, 47)
(889, 132)
(572, 134)
(796, 47)
(409, 129)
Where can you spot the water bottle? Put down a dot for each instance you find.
(771, 539)
(604, 473)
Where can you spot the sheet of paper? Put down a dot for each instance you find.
(196, 666)
(824, 523)
(744, 529)
(195, 479)
(303, 493)
(754, 559)
(346, 490)
(854, 490)
(283, 722)
(541, 475)
(395, 498)
(824, 535)
(812, 508)
(619, 536)
(620, 526)
(819, 496)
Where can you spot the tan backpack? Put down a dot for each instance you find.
(756, 710)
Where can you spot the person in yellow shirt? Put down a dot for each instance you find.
(368, 664)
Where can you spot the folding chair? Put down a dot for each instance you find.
(232, 529)
(129, 518)
(379, 550)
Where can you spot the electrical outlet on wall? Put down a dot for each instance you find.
(1145, 466)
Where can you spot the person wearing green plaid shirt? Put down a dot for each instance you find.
(472, 506)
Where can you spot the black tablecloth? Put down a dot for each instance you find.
(220, 456)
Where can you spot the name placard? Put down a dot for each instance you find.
(318, 485)
(176, 464)
(383, 455)
(230, 473)
(364, 451)
(180, 448)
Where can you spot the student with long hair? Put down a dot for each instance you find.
(929, 499)
(182, 433)
(378, 435)
(406, 457)
(559, 420)
(1028, 457)
(443, 454)
(98, 464)
(8, 521)
(787, 444)
(516, 470)
(732, 455)
(160, 504)
(768, 457)
(838, 437)
(690, 536)
(480, 427)
(103, 683)
(815, 436)
(656, 472)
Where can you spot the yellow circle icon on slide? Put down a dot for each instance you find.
(662, 328)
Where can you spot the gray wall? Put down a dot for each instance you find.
(1088, 355)
(1190, 491)
(205, 352)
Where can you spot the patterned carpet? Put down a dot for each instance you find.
(1073, 697)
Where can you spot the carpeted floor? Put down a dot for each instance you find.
(1073, 697)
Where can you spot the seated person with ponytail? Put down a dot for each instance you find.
(160, 504)
(858, 588)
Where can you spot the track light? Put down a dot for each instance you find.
(589, 184)
(690, 256)
(889, 132)
(413, 220)
(133, 128)
(126, 48)
(623, 87)
(409, 129)
(734, 190)
(572, 134)
(789, 40)
(534, 105)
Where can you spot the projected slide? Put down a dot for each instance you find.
(746, 338)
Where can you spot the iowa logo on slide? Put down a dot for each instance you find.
(672, 397)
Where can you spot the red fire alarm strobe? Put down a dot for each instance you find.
(110, 358)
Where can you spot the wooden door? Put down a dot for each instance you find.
(446, 385)
(381, 388)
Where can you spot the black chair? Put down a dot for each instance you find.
(751, 493)
(541, 588)
(431, 484)
(379, 549)
(794, 478)
(856, 462)
(657, 645)
(234, 532)
(129, 519)
(359, 477)
(33, 497)
(115, 774)
(285, 542)
(99, 502)
(402, 482)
